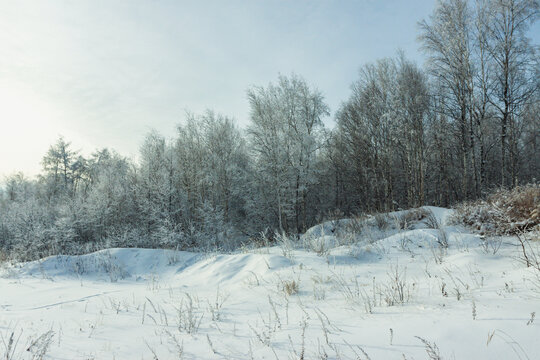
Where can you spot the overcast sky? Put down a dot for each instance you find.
(103, 73)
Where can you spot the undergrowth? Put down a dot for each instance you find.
(505, 212)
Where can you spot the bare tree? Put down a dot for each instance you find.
(513, 82)
(447, 40)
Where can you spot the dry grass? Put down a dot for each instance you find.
(505, 212)
(290, 287)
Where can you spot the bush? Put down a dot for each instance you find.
(505, 212)
(410, 217)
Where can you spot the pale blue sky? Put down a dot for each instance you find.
(103, 73)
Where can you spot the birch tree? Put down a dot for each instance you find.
(514, 74)
(285, 135)
(447, 40)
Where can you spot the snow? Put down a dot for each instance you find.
(134, 303)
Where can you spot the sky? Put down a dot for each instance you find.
(104, 73)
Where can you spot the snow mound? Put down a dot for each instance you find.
(111, 264)
(337, 236)
(235, 268)
(327, 228)
(442, 215)
(138, 264)
(371, 237)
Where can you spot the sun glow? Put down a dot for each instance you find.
(28, 126)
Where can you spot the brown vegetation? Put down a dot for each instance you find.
(505, 212)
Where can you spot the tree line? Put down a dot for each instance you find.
(407, 136)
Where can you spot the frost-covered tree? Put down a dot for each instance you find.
(60, 165)
(379, 142)
(158, 197)
(24, 220)
(285, 135)
(110, 203)
(211, 160)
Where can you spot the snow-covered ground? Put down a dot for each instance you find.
(346, 290)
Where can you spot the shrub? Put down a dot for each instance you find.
(505, 212)
(381, 220)
(410, 217)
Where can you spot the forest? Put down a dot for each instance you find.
(465, 123)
